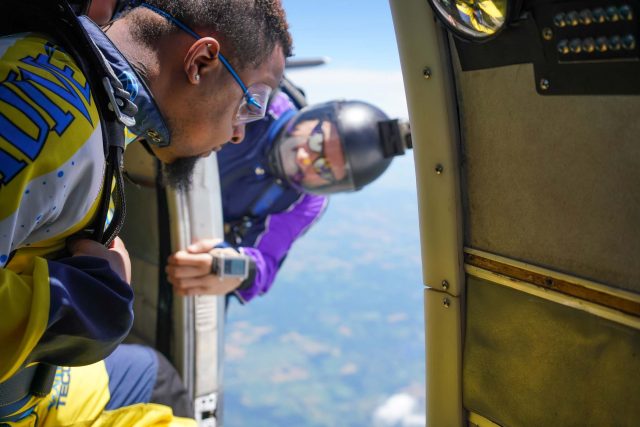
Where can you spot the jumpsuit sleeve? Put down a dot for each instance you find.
(280, 231)
(72, 311)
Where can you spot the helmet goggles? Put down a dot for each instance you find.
(310, 152)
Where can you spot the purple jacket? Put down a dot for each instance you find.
(263, 215)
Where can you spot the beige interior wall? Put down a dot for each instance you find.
(551, 180)
(531, 362)
(140, 235)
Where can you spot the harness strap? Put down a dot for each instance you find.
(235, 231)
(16, 387)
(118, 114)
(266, 199)
(260, 204)
(34, 380)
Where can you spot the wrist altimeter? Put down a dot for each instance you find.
(229, 266)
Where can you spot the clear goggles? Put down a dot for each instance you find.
(254, 103)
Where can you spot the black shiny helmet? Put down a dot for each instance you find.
(337, 146)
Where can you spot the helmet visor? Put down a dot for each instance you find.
(311, 154)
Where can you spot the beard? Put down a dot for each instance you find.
(180, 173)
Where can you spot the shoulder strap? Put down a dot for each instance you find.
(116, 112)
(266, 199)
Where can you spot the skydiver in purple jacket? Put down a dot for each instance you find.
(275, 186)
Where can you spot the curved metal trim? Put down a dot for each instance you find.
(429, 88)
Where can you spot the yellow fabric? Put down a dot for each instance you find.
(141, 415)
(25, 303)
(489, 7)
(129, 136)
(24, 296)
(79, 396)
(529, 362)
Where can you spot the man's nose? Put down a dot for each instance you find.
(238, 134)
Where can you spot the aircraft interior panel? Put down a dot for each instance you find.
(541, 175)
(544, 173)
(572, 374)
(145, 303)
(140, 234)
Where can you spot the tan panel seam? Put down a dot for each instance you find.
(552, 282)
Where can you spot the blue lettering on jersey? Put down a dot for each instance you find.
(60, 388)
(30, 84)
(9, 165)
(64, 76)
(61, 119)
(22, 140)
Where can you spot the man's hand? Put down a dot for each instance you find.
(190, 271)
(116, 254)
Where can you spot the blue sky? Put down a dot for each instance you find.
(357, 33)
(341, 264)
(359, 39)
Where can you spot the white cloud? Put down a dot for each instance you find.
(414, 420)
(307, 345)
(349, 369)
(399, 410)
(381, 88)
(244, 334)
(345, 331)
(289, 374)
(240, 336)
(233, 353)
(397, 317)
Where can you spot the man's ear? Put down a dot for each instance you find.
(201, 58)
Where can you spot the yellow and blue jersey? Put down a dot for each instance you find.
(57, 309)
(64, 311)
